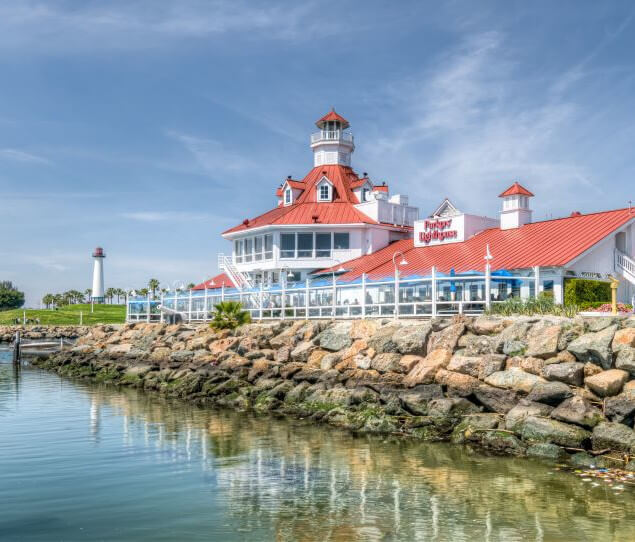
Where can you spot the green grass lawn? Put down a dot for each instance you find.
(69, 315)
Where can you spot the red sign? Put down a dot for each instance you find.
(434, 230)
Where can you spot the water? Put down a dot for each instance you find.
(88, 462)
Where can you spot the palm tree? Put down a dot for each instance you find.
(143, 291)
(119, 292)
(88, 292)
(110, 293)
(153, 285)
(48, 300)
(190, 285)
(229, 315)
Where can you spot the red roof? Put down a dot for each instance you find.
(516, 189)
(215, 282)
(331, 116)
(549, 243)
(307, 210)
(380, 188)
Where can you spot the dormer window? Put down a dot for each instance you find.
(324, 190)
(365, 194)
(288, 196)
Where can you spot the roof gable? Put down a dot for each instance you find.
(516, 189)
(446, 208)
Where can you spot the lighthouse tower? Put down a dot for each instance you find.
(332, 145)
(98, 275)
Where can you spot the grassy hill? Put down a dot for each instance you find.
(69, 315)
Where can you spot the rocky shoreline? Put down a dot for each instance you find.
(35, 332)
(545, 387)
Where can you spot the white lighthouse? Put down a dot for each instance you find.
(98, 275)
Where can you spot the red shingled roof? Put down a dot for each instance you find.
(516, 189)
(549, 243)
(331, 116)
(215, 282)
(340, 211)
(380, 188)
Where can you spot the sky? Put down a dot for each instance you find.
(149, 127)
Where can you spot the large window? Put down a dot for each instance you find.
(238, 250)
(341, 241)
(324, 192)
(322, 245)
(254, 249)
(249, 247)
(269, 246)
(257, 248)
(305, 245)
(287, 245)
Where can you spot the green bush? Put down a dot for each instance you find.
(544, 304)
(579, 291)
(229, 315)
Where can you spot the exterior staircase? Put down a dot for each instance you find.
(241, 280)
(625, 265)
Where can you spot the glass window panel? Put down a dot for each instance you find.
(249, 247)
(341, 241)
(268, 246)
(323, 245)
(305, 245)
(258, 248)
(287, 245)
(238, 251)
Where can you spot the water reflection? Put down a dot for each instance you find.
(308, 483)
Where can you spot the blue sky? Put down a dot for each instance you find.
(148, 127)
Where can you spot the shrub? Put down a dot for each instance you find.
(543, 304)
(578, 291)
(229, 315)
(10, 296)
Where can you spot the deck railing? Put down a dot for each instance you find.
(396, 297)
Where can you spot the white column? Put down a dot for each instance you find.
(363, 295)
(283, 295)
(536, 280)
(396, 313)
(334, 297)
(307, 293)
(161, 313)
(127, 308)
(148, 313)
(189, 307)
(558, 289)
(434, 290)
(488, 285)
(205, 305)
(260, 298)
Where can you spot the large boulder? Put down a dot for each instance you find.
(302, 351)
(607, 383)
(476, 345)
(387, 362)
(542, 340)
(487, 325)
(495, 399)
(412, 339)
(613, 436)
(451, 408)
(447, 338)
(578, 411)
(363, 329)
(382, 340)
(456, 384)
(477, 366)
(623, 338)
(523, 409)
(336, 337)
(511, 340)
(625, 359)
(621, 408)
(513, 379)
(416, 400)
(550, 393)
(536, 429)
(595, 347)
(529, 365)
(571, 373)
(426, 369)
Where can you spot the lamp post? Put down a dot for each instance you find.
(394, 263)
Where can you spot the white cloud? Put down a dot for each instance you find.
(22, 156)
(144, 24)
(164, 216)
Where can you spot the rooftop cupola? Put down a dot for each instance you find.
(332, 145)
(516, 211)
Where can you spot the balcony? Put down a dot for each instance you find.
(334, 136)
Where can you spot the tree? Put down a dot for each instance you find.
(119, 292)
(153, 285)
(110, 294)
(10, 296)
(229, 315)
(142, 292)
(88, 292)
(190, 285)
(48, 300)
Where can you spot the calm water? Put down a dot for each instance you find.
(85, 462)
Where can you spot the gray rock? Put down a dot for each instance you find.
(451, 408)
(546, 450)
(514, 347)
(182, 355)
(578, 411)
(386, 362)
(614, 436)
(571, 373)
(487, 325)
(583, 459)
(513, 379)
(621, 408)
(474, 427)
(416, 400)
(362, 361)
(550, 393)
(542, 340)
(496, 399)
(595, 347)
(596, 324)
(298, 393)
(329, 361)
(522, 410)
(607, 383)
(477, 345)
(302, 351)
(534, 429)
(467, 365)
(382, 340)
(335, 338)
(412, 339)
(625, 359)
(447, 338)
(517, 332)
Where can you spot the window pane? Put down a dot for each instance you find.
(324, 192)
(268, 246)
(257, 248)
(287, 245)
(238, 251)
(249, 246)
(341, 241)
(323, 245)
(305, 245)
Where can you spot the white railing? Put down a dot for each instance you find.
(332, 135)
(240, 279)
(401, 298)
(625, 265)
